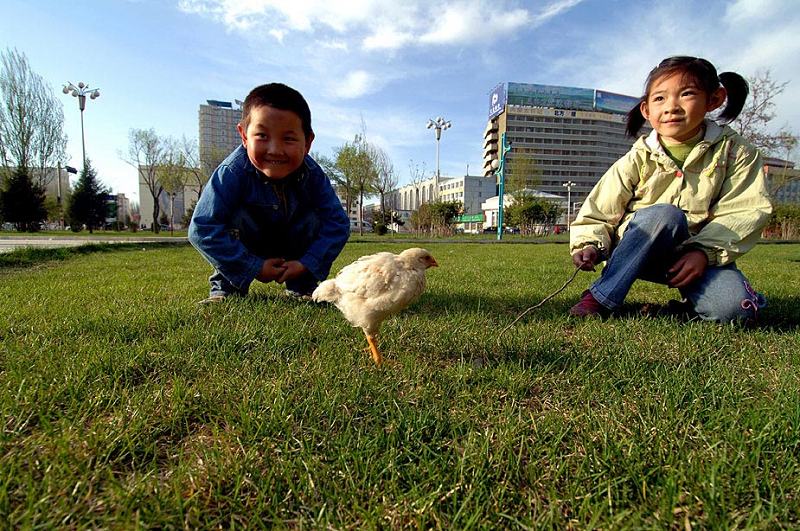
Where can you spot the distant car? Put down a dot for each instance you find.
(366, 227)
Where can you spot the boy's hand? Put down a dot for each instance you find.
(291, 270)
(272, 269)
(586, 258)
(686, 269)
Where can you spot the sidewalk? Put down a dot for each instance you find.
(9, 243)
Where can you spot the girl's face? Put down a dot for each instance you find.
(676, 106)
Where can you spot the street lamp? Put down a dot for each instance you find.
(81, 91)
(569, 185)
(505, 147)
(439, 125)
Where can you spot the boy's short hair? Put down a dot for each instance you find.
(278, 96)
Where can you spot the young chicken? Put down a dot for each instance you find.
(376, 286)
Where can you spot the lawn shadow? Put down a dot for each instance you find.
(782, 314)
(495, 305)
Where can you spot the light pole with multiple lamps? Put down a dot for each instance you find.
(569, 185)
(81, 91)
(439, 125)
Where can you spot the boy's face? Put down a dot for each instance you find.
(275, 141)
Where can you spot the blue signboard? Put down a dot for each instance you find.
(532, 95)
(497, 100)
(616, 103)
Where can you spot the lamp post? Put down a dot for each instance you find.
(504, 149)
(69, 170)
(439, 125)
(81, 91)
(569, 185)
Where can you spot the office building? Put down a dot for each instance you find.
(218, 135)
(567, 134)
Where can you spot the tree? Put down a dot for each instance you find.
(209, 160)
(87, 206)
(195, 177)
(385, 178)
(521, 174)
(759, 110)
(779, 179)
(356, 167)
(173, 174)
(436, 218)
(145, 153)
(22, 202)
(31, 120)
(533, 215)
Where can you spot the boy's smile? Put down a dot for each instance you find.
(275, 141)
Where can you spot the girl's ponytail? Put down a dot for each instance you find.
(635, 120)
(737, 89)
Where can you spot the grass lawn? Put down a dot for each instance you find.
(124, 403)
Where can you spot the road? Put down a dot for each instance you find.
(9, 243)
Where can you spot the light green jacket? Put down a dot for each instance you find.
(721, 189)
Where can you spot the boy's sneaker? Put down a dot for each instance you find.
(588, 307)
(297, 295)
(213, 299)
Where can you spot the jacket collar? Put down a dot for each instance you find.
(714, 133)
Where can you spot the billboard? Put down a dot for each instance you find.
(497, 100)
(616, 103)
(533, 95)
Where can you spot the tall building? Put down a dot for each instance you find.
(564, 134)
(217, 132)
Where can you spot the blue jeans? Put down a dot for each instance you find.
(648, 250)
(290, 242)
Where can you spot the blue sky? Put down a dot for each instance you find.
(388, 64)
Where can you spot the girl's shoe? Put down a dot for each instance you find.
(588, 307)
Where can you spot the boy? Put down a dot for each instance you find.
(269, 212)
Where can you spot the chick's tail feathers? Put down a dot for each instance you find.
(326, 292)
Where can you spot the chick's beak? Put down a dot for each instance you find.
(433, 263)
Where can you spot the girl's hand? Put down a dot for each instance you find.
(271, 270)
(292, 270)
(586, 258)
(686, 269)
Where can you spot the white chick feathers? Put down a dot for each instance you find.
(375, 287)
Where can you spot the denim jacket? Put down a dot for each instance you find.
(235, 184)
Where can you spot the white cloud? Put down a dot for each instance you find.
(334, 45)
(387, 39)
(278, 34)
(555, 9)
(354, 85)
(382, 24)
(753, 11)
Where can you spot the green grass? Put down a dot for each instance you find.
(123, 403)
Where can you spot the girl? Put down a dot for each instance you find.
(683, 204)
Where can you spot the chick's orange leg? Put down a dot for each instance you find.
(373, 347)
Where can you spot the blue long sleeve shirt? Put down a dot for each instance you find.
(236, 184)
